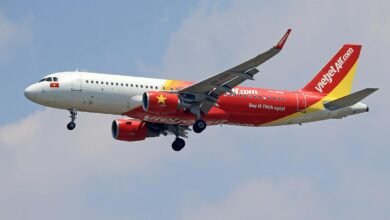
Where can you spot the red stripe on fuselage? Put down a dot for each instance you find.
(248, 106)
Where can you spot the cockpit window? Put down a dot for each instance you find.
(49, 79)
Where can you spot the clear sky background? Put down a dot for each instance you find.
(337, 169)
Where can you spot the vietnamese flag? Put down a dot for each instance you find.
(54, 85)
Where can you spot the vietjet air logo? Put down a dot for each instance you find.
(244, 91)
(161, 100)
(333, 70)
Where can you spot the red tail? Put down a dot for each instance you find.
(338, 72)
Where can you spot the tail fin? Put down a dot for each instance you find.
(337, 76)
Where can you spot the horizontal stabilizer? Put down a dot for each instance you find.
(350, 99)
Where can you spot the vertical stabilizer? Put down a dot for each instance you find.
(337, 75)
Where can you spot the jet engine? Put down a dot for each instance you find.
(160, 102)
(131, 130)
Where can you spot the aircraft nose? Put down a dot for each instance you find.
(30, 92)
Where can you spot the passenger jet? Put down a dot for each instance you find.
(154, 107)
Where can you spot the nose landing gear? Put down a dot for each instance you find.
(73, 113)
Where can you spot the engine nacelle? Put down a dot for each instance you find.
(160, 102)
(131, 130)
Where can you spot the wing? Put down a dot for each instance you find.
(205, 94)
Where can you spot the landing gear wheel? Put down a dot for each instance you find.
(73, 113)
(71, 125)
(199, 126)
(178, 144)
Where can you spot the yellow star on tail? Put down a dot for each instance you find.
(161, 99)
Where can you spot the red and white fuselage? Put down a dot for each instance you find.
(122, 95)
(160, 106)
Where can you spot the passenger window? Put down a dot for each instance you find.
(131, 85)
(106, 83)
(156, 87)
(102, 82)
(146, 87)
(121, 84)
(117, 84)
(112, 83)
(86, 81)
(127, 85)
(141, 86)
(163, 87)
(91, 81)
(136, 85)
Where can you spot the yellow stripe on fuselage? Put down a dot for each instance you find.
(342, 89)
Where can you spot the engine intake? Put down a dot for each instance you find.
(131, 130)
(160, 102)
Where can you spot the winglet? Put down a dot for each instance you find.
(283, 40)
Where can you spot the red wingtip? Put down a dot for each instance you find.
(283, 40)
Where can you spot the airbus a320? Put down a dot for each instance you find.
(154, 107)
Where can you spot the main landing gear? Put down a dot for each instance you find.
(199, 126)
(178, 144)
(73, 113)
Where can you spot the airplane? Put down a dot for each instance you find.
(155, 107)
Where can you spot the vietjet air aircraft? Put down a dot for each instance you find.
(158, 106)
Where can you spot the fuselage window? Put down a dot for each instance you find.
(136, 85)
(102, 82)
(91, 81)
(156, 87)
(106, 83)
(117, 84)
(141, 86)
(146, 87)
(131, 85)
(127, 85)
(86, 81)
(163, 87)
(121, 84)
